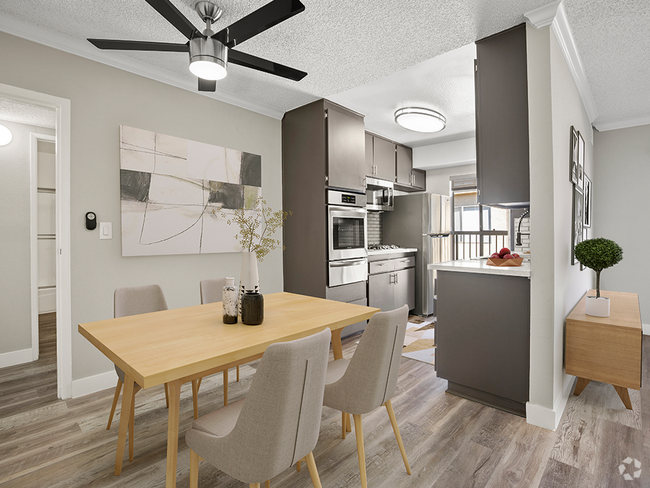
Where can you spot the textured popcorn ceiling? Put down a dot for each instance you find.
(357, 50)
(22, 113)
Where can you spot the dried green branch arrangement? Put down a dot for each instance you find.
(256, 229)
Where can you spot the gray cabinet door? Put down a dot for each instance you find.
(502, 118)
(381, 292)
(370, 163)
(384, 158)
(346, 149)
(405, 288)
(404, 165)
(420, 179)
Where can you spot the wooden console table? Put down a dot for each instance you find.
(606, 349)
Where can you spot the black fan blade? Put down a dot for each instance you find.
(250, 61)
(261, 19)
(207, 85)
(140, 45)
(175, 17)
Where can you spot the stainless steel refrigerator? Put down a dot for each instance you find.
(422, 221)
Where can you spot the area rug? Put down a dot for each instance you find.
(419, 339)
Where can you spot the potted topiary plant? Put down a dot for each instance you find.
(598, 254)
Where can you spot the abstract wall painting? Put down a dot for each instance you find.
(173, 193)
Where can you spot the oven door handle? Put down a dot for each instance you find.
(341, 264)
(334, 208)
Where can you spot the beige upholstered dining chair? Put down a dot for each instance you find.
(369, 379)
(276, 425)
(134, 301)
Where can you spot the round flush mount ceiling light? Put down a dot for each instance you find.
(5, 135)
(420, 119)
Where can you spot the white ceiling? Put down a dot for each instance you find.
(370, 55)
(23, 113)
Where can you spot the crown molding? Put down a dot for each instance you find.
(622, 124)
(62, 42)
(554, 15)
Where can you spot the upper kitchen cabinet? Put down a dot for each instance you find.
(404, 165)
(502, 119)
(382, 160)
(407, 178)
(346, 148)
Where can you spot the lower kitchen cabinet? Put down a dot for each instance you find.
(390, 288)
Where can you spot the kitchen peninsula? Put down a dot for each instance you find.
(482, 332)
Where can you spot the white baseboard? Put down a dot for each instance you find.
(15, 357)
(47, 300)
(646, 329)
(93, 384)
(550, 418)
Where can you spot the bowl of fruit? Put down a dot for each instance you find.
(505, 258)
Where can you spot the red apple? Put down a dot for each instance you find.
(508, 256)
(495, 256)
(515, 255)
(504, 251)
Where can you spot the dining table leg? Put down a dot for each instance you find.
(172, 431)
(337, 347)
(125, 416)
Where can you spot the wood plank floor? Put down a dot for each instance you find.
(450, 442)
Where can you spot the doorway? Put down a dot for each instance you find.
(61, 325)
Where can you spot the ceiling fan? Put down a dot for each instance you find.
(211, 52)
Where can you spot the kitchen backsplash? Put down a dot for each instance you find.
(525, 239)
(374, 228)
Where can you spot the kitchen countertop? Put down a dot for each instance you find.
(481, 266)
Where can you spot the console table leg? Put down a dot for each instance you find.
(580, 385)
(625, 396)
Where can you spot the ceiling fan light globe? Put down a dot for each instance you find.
(208, 69)
(208, 58)
(420, 119)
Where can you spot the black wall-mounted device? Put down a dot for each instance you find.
(91, 221)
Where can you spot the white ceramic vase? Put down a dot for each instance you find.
(249, 279)
(597, 307)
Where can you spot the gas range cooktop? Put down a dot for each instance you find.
(382, 247)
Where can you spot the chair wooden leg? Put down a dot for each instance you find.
(298, 464)
(358, 430)
(348, 423)
(118, 389)
(237, 373)
(313, 472)
(225, 387)
(194, 469)
(195, 398)
(166, 396)
(344, 417)
(254, 485)
(268, 482)
(393, 422)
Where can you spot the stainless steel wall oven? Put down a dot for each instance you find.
(347, 237)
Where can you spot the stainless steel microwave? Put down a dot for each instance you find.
(380, 195)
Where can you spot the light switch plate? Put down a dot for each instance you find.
(106, 230)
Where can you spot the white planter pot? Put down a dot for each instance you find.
(597, 307)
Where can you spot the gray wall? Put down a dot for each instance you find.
(438, 179)
(622, 173)
(102, 98)
(15, 306)
(556, 286)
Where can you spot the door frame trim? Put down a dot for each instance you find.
(63, 240)
(34, 137)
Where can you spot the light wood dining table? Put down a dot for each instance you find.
(175, 346)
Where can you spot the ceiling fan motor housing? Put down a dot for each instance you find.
(208, 49)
